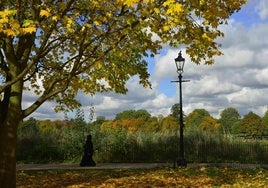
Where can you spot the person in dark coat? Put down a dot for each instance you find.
(88, 153)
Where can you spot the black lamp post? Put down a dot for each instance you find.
(179, 61)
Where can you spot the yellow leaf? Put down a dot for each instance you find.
(202, 2)
(129, 2)
(7, 12)
(97, 23)
(205, 36)
(166, 27)
(27, 23)
(167, 3)
(157, 10)
(55, 17)
(174, 9)
(45, 13)
(177, 8)
(28, 30)
(3, 20)
(9, 32)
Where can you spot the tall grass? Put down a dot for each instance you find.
(122, 146)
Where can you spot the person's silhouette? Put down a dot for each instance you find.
(88, 153)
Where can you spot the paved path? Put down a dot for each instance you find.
(129, 166)
(98, 166)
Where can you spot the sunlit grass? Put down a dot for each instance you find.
(159, 177)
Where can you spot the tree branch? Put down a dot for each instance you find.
(47, 94)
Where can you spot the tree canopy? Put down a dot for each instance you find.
(209, 125)
(175, 111)
(60, 47)
(133, 114)
(195, 118)
(228, 118)
(265, 119)
(252, 125)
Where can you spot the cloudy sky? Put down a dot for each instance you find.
(238, 79)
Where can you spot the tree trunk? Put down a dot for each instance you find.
(10, 118)
(8, 142)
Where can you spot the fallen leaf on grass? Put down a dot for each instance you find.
(159, 177)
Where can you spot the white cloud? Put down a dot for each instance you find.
(210, 85)
(165, 64)
(234, 57)
(250, 97)
(262, 9)
(262, 76)
(46, 111)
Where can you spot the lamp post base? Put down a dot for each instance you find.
(182, 162)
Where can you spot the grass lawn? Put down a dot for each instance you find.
(158, 177)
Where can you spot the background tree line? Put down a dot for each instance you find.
(136, 136)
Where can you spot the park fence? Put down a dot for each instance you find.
(203, 152)
(165, 150)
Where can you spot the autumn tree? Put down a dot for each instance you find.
(265, 121)
(228, 118)
(200, 119)
(170, 124)
(195, 118)
(252, 125)
(57, 48)
(152, 125)
(209, 125)
(107, 125)
(133, 114)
